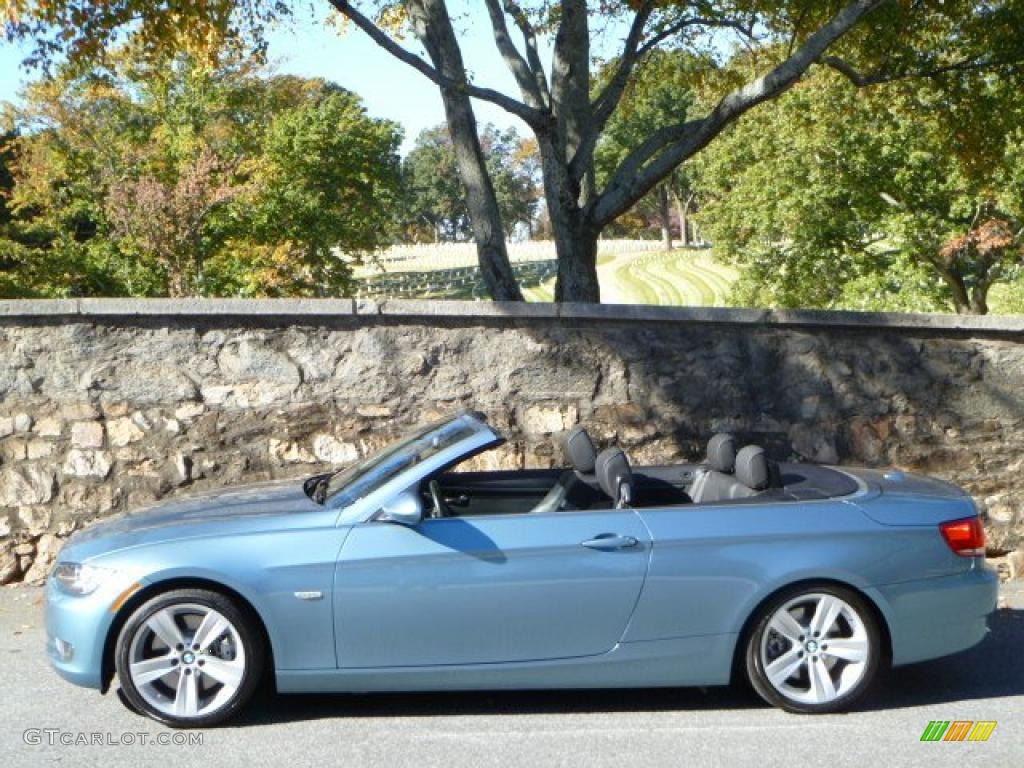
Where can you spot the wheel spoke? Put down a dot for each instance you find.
(784, 667)
(166, 628)
(148, 670)
(825, 614)
(853, 649)
(213, 626)
(227, 672)
(784, 623)
(186, 700)
(822, 687)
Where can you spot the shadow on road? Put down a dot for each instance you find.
(995, 668)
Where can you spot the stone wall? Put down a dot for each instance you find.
(107, 405)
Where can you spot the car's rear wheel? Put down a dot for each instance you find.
(189, 658)
(814, 649)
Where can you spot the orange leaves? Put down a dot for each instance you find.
(989, 240)
(13, 11)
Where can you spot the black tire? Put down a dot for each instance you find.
(249, 636)
(844, 700)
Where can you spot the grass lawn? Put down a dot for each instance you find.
(631, 272)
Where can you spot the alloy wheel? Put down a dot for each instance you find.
(187, 660)
(816, 649)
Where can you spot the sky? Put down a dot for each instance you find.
(389, 88)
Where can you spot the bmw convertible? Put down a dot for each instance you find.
(402, 573)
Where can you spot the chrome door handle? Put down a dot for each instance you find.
(610, 541)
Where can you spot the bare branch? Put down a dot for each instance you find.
(848, 71)
(513, 59)
(608, 100)
(636, 176)
(528, 114)
(881, 76)
(604, 105)
(745, 30)
(529, 34)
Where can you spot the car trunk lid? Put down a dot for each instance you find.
(908, 499)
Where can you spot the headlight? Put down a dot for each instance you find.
(78, 579)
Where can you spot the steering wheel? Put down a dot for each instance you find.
(440, 508)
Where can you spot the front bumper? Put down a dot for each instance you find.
(930, 618)
(76, 631)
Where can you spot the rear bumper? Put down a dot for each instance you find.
(930, 618)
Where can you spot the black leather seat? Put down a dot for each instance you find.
(615, 476)
(574, 488)
(715, 479)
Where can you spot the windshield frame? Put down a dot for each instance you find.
(478, 436)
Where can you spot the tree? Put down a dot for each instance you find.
(870, 41)
(184, 177)
(168, 217)
(662, 89)
(432, 192)
(9, 263)
(513, 164)
(328, 179)
(435, 197)
(907, 199)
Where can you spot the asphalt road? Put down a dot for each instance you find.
(673, 727)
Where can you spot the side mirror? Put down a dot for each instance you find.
(405, 509)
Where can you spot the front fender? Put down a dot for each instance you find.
(276, 573)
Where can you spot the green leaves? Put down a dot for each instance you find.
(182, 178)
(901, 198)
(434, 196)
(329, 179)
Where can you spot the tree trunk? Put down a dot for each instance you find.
(485, 218)
(577, 269)
(979, 303)
(979, 296)
(683, 212)
(434, 29)
(665, 217)
(958, 291)
(575, 242)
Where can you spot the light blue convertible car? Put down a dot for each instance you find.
(401, 573)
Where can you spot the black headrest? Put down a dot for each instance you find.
(614, 475)
(580, 450)
(722, 452)
(752, 467)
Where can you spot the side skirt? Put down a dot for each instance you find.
(704, 660)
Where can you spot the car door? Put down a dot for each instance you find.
(496, 588)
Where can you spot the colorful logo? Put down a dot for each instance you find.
(958, 730)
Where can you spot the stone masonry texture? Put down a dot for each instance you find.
(109, 406)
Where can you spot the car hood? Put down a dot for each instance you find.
(246, 509)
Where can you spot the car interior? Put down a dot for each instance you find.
(605, 480)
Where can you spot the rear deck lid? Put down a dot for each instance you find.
(909, 499)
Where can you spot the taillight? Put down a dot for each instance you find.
(965, 537)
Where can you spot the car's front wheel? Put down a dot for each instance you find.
(814, 649)
(189, 658)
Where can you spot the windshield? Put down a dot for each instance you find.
(360, 480)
